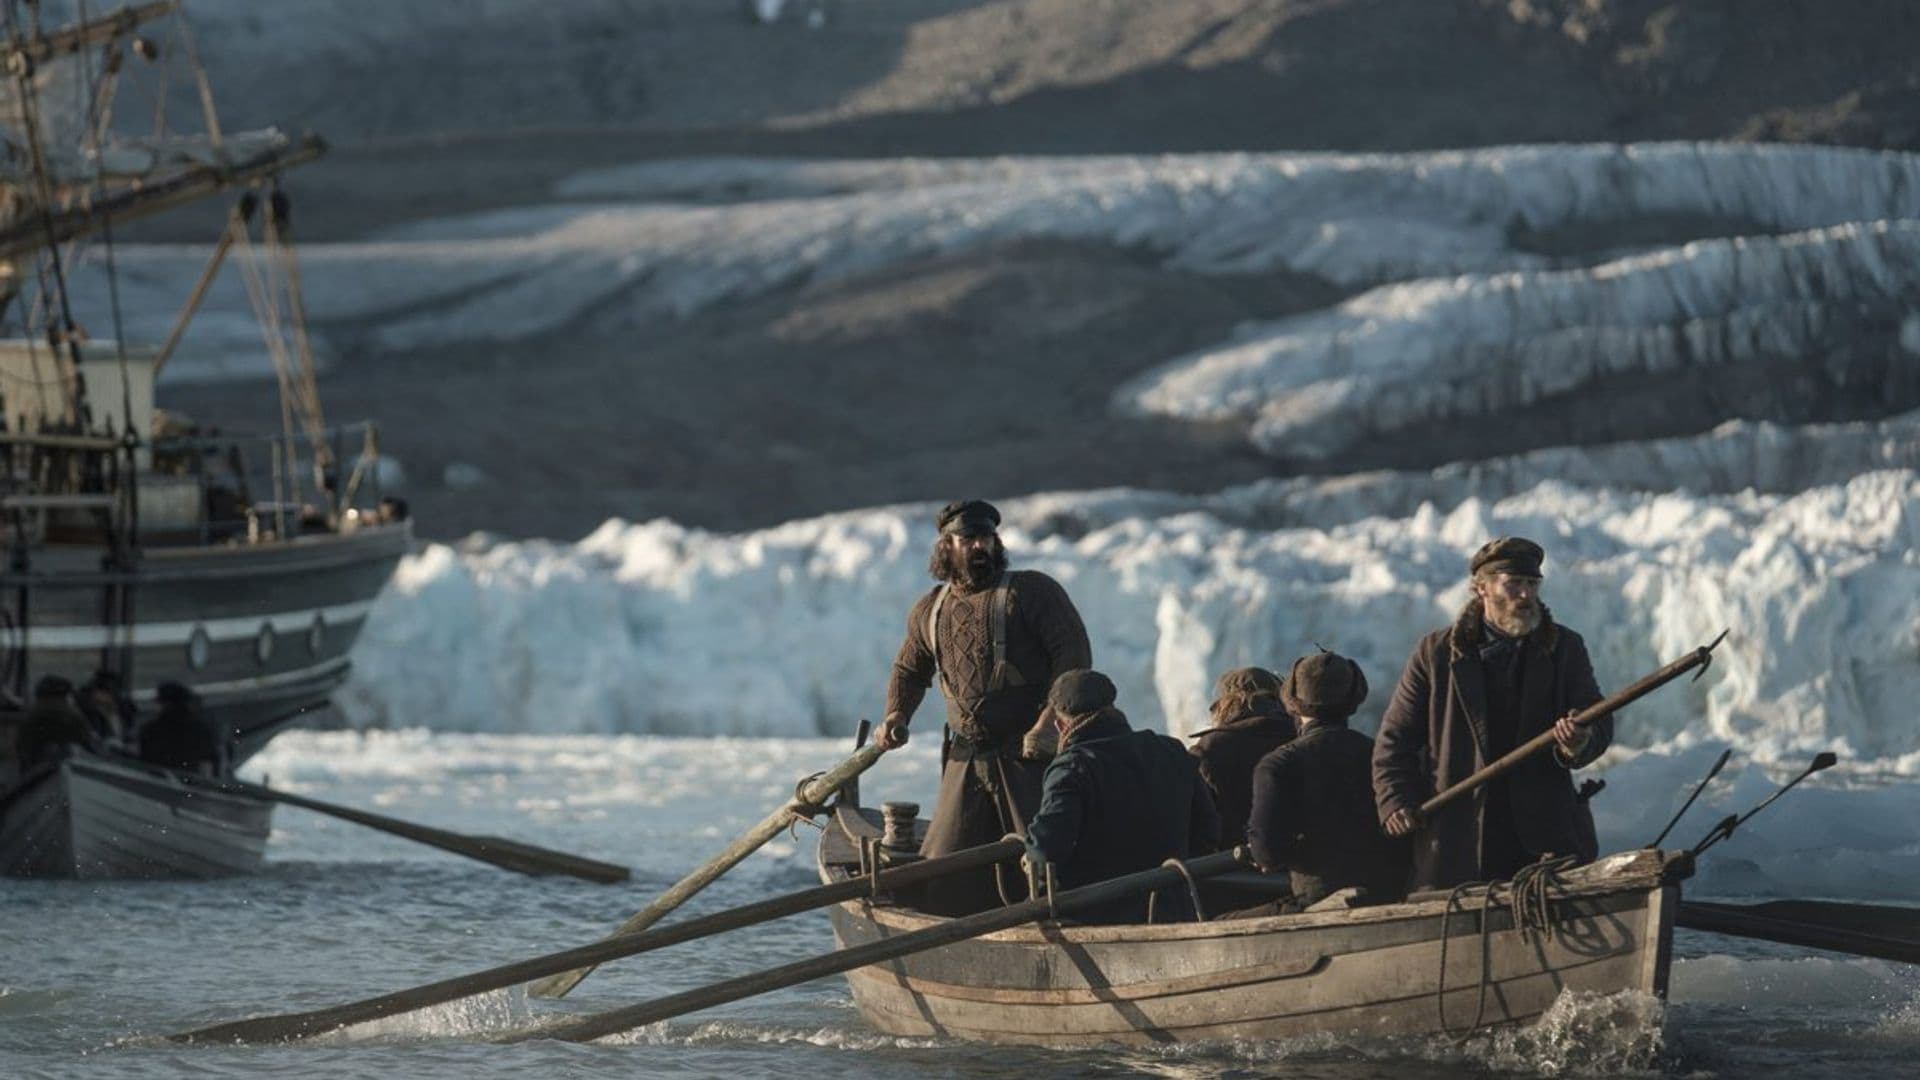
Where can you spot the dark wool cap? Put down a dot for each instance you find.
(52, 686)
(1508, 555)
(173, 693)
(967, 517)
(1247, 682)
(1081, 691)
(1324, 686)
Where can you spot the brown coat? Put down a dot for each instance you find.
(1434, 735)
(1227, 754)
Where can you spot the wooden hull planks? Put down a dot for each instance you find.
(95, 818)
(1365, 970)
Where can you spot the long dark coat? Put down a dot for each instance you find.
(1434, 735)
(1227, 754)
(1117, 801)
(1313, 816)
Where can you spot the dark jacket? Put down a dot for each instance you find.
(1437, 731)
(179, 738)
(51, 724)
(1313, 815)
(1227, 753)
(1116, 801)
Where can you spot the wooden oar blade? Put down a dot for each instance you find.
(537, 861)
(1861, 930)
(497, 851)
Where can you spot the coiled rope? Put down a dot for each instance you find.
(1530, 897)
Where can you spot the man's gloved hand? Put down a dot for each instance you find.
(892, 734)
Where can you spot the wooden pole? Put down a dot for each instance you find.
(501, 852)
(300, 1025)
(1806, 923)
(833, 963)
(1698, 658)
(811, 795)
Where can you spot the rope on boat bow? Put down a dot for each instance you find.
(1530, 896)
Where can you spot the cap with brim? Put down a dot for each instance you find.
(1508, 555)
(968, 517)
(1081, 691)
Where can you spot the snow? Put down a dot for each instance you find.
(654, 627)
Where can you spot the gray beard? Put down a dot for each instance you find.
(1518, 628)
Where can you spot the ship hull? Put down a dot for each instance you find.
(262, 632)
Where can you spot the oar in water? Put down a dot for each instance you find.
(287, 1026)
(1825, 759)
(1860, 929)
(1701, 658)
(805, 803)
(509, 854)
(1685, 806)
(833, 963)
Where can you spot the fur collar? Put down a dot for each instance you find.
(1470, 629)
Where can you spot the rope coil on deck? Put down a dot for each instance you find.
(1530, 895)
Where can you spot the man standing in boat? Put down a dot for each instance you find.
(1249, 722)
(995, 639)
(1501, 674)
(1116, 801)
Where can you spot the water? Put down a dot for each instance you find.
(91, 973)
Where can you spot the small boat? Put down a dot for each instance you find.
(1602, 928)
(95, 817)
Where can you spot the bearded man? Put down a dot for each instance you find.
(995, 639)
(1500, 675)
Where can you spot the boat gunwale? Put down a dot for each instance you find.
(1626, 873)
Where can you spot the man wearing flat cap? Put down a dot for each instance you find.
(1249, 722)
(1313, 813)
(1503, 673)
(1116, 801)
(994, 639)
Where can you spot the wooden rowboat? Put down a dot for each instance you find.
(95, 817)
(1375, 970)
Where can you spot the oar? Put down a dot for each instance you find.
(1805, 923)
(840, 960)
(1700, 658)
(805, 803)
(300, 1025)
(510, 854)
(1685, 806)
(1825, 759)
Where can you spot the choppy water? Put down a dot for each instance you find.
(90, 973)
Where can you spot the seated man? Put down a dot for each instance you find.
(1248, 724)
(1313, 811)
(53, 723)
(1116, 801)
(178, 737)
(108, 711)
